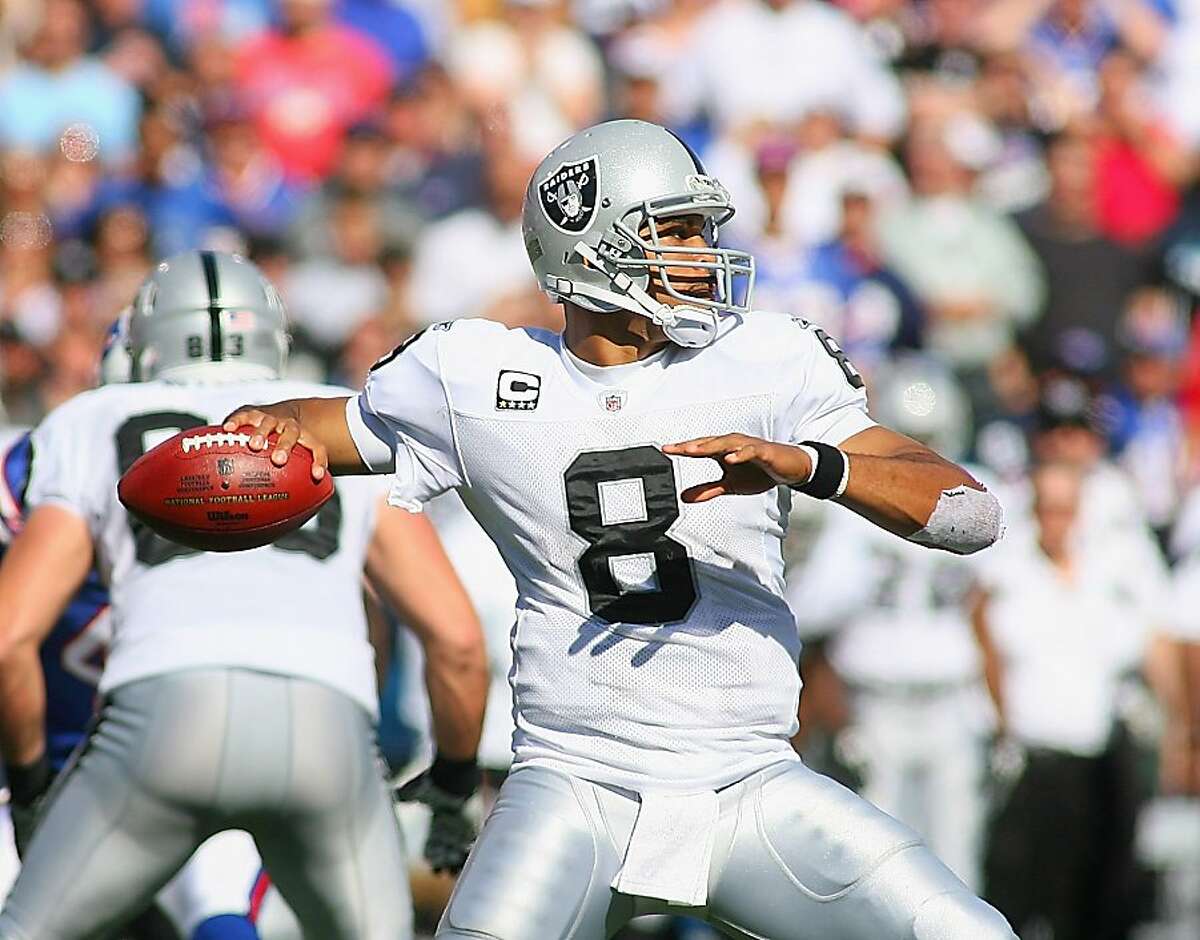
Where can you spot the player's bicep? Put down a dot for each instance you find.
(41, 572)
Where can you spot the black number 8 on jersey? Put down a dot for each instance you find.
(641, 529)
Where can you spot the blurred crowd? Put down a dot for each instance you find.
(997, 200)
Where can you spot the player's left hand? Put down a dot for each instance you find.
(451, 830)
(750, 464)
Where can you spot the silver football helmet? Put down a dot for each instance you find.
(918, 396)
(591, 225)
(207, 316)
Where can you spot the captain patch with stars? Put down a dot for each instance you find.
(568, 196)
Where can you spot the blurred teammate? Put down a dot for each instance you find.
(239, 692)
(654, 655)
(1061, 622)
(901, 641)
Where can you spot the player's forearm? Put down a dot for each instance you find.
(899, 491)
(924, 498)
(456, 677)
(316, 423)
(22, 706)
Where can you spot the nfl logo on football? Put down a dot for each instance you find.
(225, 466)
(613, 401)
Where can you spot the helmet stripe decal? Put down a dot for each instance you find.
(209, 261)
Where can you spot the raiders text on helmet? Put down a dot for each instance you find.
(591, 225)
(207, 315)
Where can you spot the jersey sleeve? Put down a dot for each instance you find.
(403, 414)
(60, 474)
(824, 398)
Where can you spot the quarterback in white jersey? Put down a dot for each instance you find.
(655, 659)
(239, 690)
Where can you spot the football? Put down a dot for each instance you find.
(205, 488)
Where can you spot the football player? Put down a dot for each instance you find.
(635, 472)
(239, 690)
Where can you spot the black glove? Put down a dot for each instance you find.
(28, 784)
(445, 789)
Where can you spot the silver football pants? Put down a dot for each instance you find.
(796, 857)
(179, 757)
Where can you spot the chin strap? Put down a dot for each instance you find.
(692, 327)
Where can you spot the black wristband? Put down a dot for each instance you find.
(460, 777)
(828, 474)
(26, 782)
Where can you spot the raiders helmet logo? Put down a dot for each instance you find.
(568, 196)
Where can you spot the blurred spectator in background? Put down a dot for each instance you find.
(775, 60)
(1060, 622)
(878, 311)
(307, 82)
(970, 266)
(58, 92)
(1143, 408)
(246, 182)
(1015, 177)
(395, 27)
(1088, 274)
(434, 158)
(822, 163)
(533, 65)
(332, 294)
(363, 169)
(473, 263)
(1071, 428)
(1065, 41)
(1140, 163)
(185, 22)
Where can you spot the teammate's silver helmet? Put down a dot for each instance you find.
(207, 315)
(591, 217)
(918, 396)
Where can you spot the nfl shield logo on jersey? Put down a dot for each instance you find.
(568, 196)
(613, 401)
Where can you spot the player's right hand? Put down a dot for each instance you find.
(290, 434)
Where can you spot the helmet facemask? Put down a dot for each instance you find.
(632, 249)
(637, 248)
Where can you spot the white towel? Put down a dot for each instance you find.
(670, 849)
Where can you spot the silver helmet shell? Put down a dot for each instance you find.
(919, 397)
(591, 221)
(207, 315)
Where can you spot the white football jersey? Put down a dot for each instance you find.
(294, 607)
(652, 645)
(897, 610)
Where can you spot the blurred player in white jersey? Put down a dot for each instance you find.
(655, 657)
(239, 692)
(901, 641)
